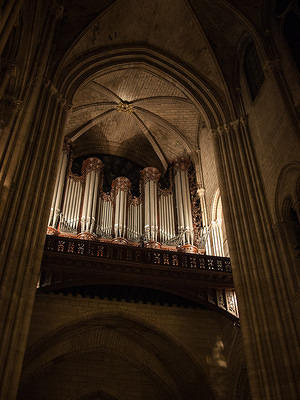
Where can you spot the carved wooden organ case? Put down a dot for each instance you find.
(157, 217)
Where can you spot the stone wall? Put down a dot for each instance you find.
(80, 346)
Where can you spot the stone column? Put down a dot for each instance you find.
(261, 278)
(150, 177)
(27, 181)
(8, 19)
(58, 189)
(121, 189)
(91, 169)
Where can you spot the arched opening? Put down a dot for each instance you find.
(114, 355)
(134, 106)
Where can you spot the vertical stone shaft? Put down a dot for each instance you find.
(269, 331)
(26, 183)
(8, 19)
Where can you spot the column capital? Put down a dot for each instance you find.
(150, 174)
(225, 128)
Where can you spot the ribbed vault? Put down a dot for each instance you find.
(134, 113)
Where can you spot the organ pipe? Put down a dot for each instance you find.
(150, 177)
(183, 203)
(69, 217)
(166, 211)
(120, 187)
(91, 169)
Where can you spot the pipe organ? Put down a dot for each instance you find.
(157, 217)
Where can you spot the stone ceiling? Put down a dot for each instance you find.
(130, 111)
(133, 113)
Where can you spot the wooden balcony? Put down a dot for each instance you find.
(69, 263)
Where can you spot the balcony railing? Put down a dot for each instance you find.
(76, 263)
(87, 248)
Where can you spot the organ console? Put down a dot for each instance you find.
(157, 217)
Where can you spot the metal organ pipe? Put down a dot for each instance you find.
(95, 198)
(91, 168)
(183, 201)
(160, 217)
(105, 206)
(164, 220)
(84, 205)
(121, 187)
(72, 199)
(72, 205)
(150, 177)
(167, 216)
(66, 203)
(89, 201)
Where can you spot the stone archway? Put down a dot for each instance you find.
(121, 357)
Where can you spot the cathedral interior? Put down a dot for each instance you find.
(150, 199)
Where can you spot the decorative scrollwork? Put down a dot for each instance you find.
(91, 164)
(121, 183)
(150, 174)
